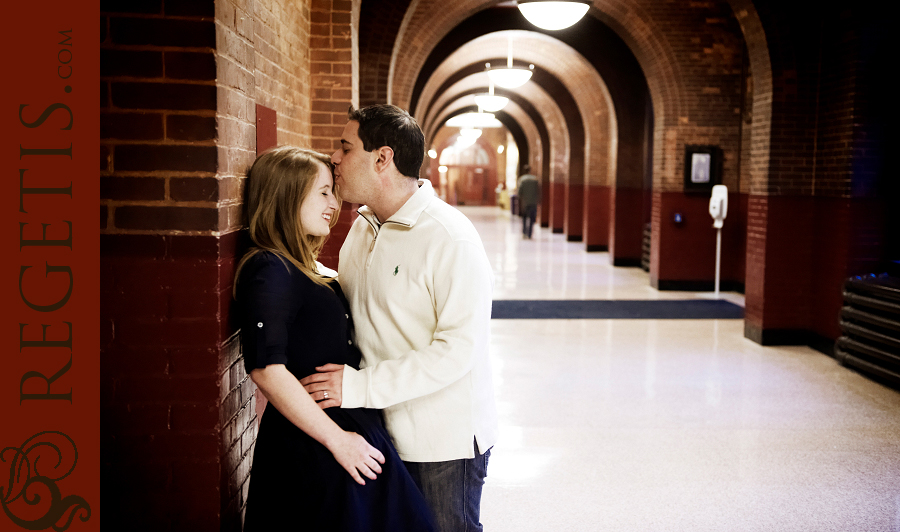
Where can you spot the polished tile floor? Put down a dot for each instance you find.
(670, 425)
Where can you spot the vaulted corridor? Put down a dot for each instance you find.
(628, 120)
(670, 425)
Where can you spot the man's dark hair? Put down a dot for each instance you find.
(388, 125)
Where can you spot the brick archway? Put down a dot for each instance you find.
(556, 165)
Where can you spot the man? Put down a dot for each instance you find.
(419, 285)
(529, 191)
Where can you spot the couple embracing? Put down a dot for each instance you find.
(381, 411)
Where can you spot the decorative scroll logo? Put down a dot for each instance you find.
(33, 476)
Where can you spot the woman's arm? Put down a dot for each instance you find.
(351, 450)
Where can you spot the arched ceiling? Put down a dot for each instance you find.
(516, 121)
(547, 112)
(519, 109)
(642, 50)
(555, 57)
(561, 71)
(593, 40)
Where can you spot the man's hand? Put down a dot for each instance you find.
(325, 387)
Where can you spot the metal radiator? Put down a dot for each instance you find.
(645, 249)
(870, 327)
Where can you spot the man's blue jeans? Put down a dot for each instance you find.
(453, 490)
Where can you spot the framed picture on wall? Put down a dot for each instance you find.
(702, 168)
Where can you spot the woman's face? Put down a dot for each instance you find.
(319, 205)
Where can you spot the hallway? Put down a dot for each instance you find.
(628, 118)
(633, 425)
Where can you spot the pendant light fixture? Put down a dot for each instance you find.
(553, 15)
(470, 132)
(489, 102)
(510, 77)
(474, 120)
(467, 137)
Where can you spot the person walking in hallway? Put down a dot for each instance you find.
(419, 285)
(529, 191)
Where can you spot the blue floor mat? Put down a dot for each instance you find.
(685, 309)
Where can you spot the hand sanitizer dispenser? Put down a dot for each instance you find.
(718, 205)
(718, 209)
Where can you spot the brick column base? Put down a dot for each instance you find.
(626, 228)
(596, 217)
(573, 223)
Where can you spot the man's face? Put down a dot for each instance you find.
(354, 167)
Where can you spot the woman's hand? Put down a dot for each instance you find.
(286, 394)
(355, 455)
(325, 387)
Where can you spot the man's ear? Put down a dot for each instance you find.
(384, 158)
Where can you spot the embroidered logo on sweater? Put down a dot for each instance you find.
(396, 269)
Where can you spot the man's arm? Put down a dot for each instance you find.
(350, 450)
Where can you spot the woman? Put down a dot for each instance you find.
(313, 469)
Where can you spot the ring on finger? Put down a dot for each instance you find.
(325, 395)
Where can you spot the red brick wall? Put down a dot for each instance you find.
(557, 205)
(692, 55)
(158, 123)
(180, 84)
(333, 91)
(543, 215)
(596, 219)
(162, 293)
(379, 24)
(687, 250)
(778, 265)
(160, 362)
(822, 176)
(573, 224)
(626, 228)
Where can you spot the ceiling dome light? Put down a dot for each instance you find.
(470, 132)
(464, 142)
(551, 15)
(489, 102)
(474, 120)
(510, 77)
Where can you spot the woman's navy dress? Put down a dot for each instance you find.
(295, 483)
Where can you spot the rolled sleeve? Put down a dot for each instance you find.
(268, 309)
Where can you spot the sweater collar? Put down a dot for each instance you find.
(409, 213)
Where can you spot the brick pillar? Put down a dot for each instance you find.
(165, 282)
(334, 89)
(546, 189)
(557, 205)
(817, 217)
(573, 224)
(180, 85)
(626, 225)
(596, 219)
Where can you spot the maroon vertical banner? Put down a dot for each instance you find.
(50, 267)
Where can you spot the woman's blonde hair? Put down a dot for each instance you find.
(276, 185)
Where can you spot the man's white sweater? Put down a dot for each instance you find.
(419, 287)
